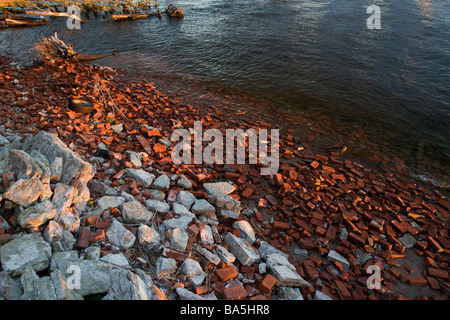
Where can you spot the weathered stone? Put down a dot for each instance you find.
(206, 235)
(56, 169)
(185, 294)
(3, 141)
(226, 256)
(109, 202)
(68, 219)
(246, 230)
(318, 295)
(194, 272)
(191, 268)
(62, 290)
(218, 188)
(226, 206)
(179, 239)
(287, 277)
(203, 207)
(157, 206)
(53, 232)
(23, 165)
(184, 182)
(243, 251)
(82, 195)
(92, 253)
(135, 212)
(276, 259)
(148, 236)
(30, 249)
(119, 236)
(24, 191)
(63, 196)
(186, 198)
(51, 147)
(116, 259)
(265, 249)
(208, 255)
(134, 159)
(44, 165)
(289, 293)
(155, 194)
(181, 222)
(162, 182)
(181, 210)
(126, 285)
(9, 289)
(335, 256)
(35, 288)
(94, 275)
(140, 176)
(165, 266)
(37, 215)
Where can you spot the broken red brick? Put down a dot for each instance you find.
(234, 293)
(227, 273)
(267, 284)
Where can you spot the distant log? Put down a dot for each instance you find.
(134, 16)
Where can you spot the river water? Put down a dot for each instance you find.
(384, 90)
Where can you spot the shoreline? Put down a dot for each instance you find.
(305, 206)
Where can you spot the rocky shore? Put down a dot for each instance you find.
(92, 206)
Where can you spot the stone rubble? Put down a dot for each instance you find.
(139, 227)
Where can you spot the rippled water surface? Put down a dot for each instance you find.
(311, 57)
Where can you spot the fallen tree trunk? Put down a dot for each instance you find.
(12, 22)
(89, 57)
(134, 16)
(54, 14)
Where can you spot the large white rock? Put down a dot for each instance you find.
(37, 215)
(179, 239)
(25, 191)
(186, 198)
(141, 176)
(119, 236)
(135, 212)
(218, 188)
(335, 256)
(109, 202)
(30, 249)
(203, 207)
(244, 252)
(246, 229)
(49, 145)
(287, 277)
(162, 182)
(148, 236)
(126, 285)
(157, 206)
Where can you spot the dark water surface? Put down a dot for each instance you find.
(314, 58)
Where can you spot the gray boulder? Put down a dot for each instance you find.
(28, 250)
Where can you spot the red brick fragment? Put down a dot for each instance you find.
(235, 293)
(227, 273)
(267, 284)
(83, 241)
